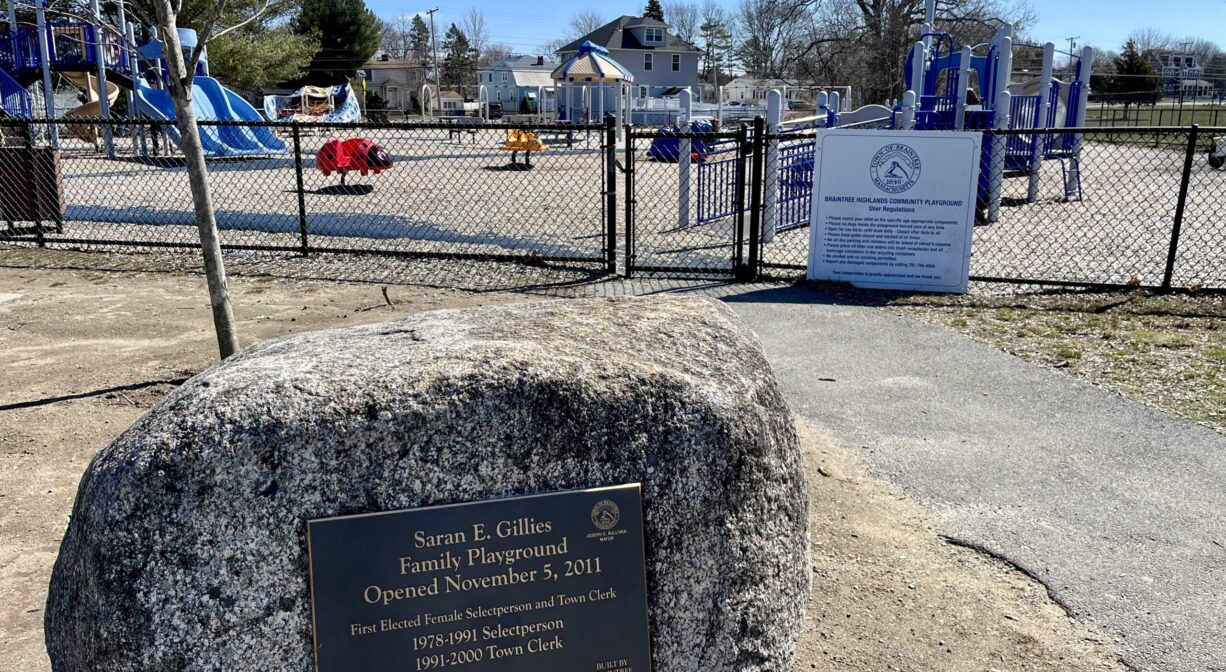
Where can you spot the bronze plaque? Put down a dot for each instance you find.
(537, 583)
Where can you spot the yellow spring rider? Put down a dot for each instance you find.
(522, 141)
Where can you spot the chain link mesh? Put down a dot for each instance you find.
(451, 191)
(1100, 209)
(1101, 216)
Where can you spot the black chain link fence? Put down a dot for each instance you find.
(1107, 206)
(1103, 208)
(531, 195)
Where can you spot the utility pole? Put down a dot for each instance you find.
(1072, 49)
(438, 85)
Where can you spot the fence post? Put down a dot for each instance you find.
(302, 216)
(774, 117)
(996, 174)
(36, 209)
(756, 184)
(742, 153)
(610, 207)
(1188, 158)
(629, 158)
(684, 177)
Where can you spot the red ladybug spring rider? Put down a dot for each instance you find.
(360, 154)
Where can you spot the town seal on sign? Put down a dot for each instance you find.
(895, 168)
(605, 514)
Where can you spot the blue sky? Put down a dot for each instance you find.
(1103, 23)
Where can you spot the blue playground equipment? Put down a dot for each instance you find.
(30, 53)
(947, 88)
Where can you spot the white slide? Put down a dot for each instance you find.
(92, 108)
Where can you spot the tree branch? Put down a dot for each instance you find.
(202, 37)
(240, 24)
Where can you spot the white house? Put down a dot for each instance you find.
(397, 82)
(516, 82)
(753, 91)
(662, 63)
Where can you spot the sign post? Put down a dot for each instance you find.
(894, 210)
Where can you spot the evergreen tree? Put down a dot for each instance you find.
(459, 66)
(348, 36)
(653, 10)
(419, 40)
(716, 40)
(262, 53)
(1135, 79)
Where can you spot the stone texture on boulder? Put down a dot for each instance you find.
(187, 545)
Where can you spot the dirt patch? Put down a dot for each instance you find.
(1167, 351)
(888, 593)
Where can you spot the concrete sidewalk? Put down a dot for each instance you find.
(1118, 508)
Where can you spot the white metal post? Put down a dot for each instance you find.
(835, 107)
(1072, 184)
(1004, 66)
(823, 100)
(1045, 102)
(770, 196)
(964, 82)
(996, 174)
(908, 110)
(104, 101)
(683, 161)
(44, 52)
(918, 56)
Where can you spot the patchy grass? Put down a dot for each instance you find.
(1167, 351)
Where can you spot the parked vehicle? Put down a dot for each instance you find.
(1217, 153)
(494, 110)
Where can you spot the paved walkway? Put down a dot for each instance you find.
(1119, 509)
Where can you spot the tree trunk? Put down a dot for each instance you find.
(197, 176)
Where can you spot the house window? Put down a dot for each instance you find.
(676, 62)
(655, 34)
(642, 92)
(647, 61)
(504, 77)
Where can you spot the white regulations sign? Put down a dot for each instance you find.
(894, 209)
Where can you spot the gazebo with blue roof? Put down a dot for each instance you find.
(590, 71)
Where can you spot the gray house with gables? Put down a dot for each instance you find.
(662, 63)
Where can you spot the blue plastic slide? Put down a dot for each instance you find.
(212, 101)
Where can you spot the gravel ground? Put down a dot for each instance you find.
(456, 196)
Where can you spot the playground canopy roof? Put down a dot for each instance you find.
(591, 64)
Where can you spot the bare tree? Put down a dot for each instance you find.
(396, 36)
(182, 71)
(474, 26)
(1150, 39)
(577, 26)
(496, 51)
(865, 43)
(768, 37)
(684, 18)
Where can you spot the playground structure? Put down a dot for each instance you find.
(948, 88)
(96, 57)
(326, 104)
(522, 141)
